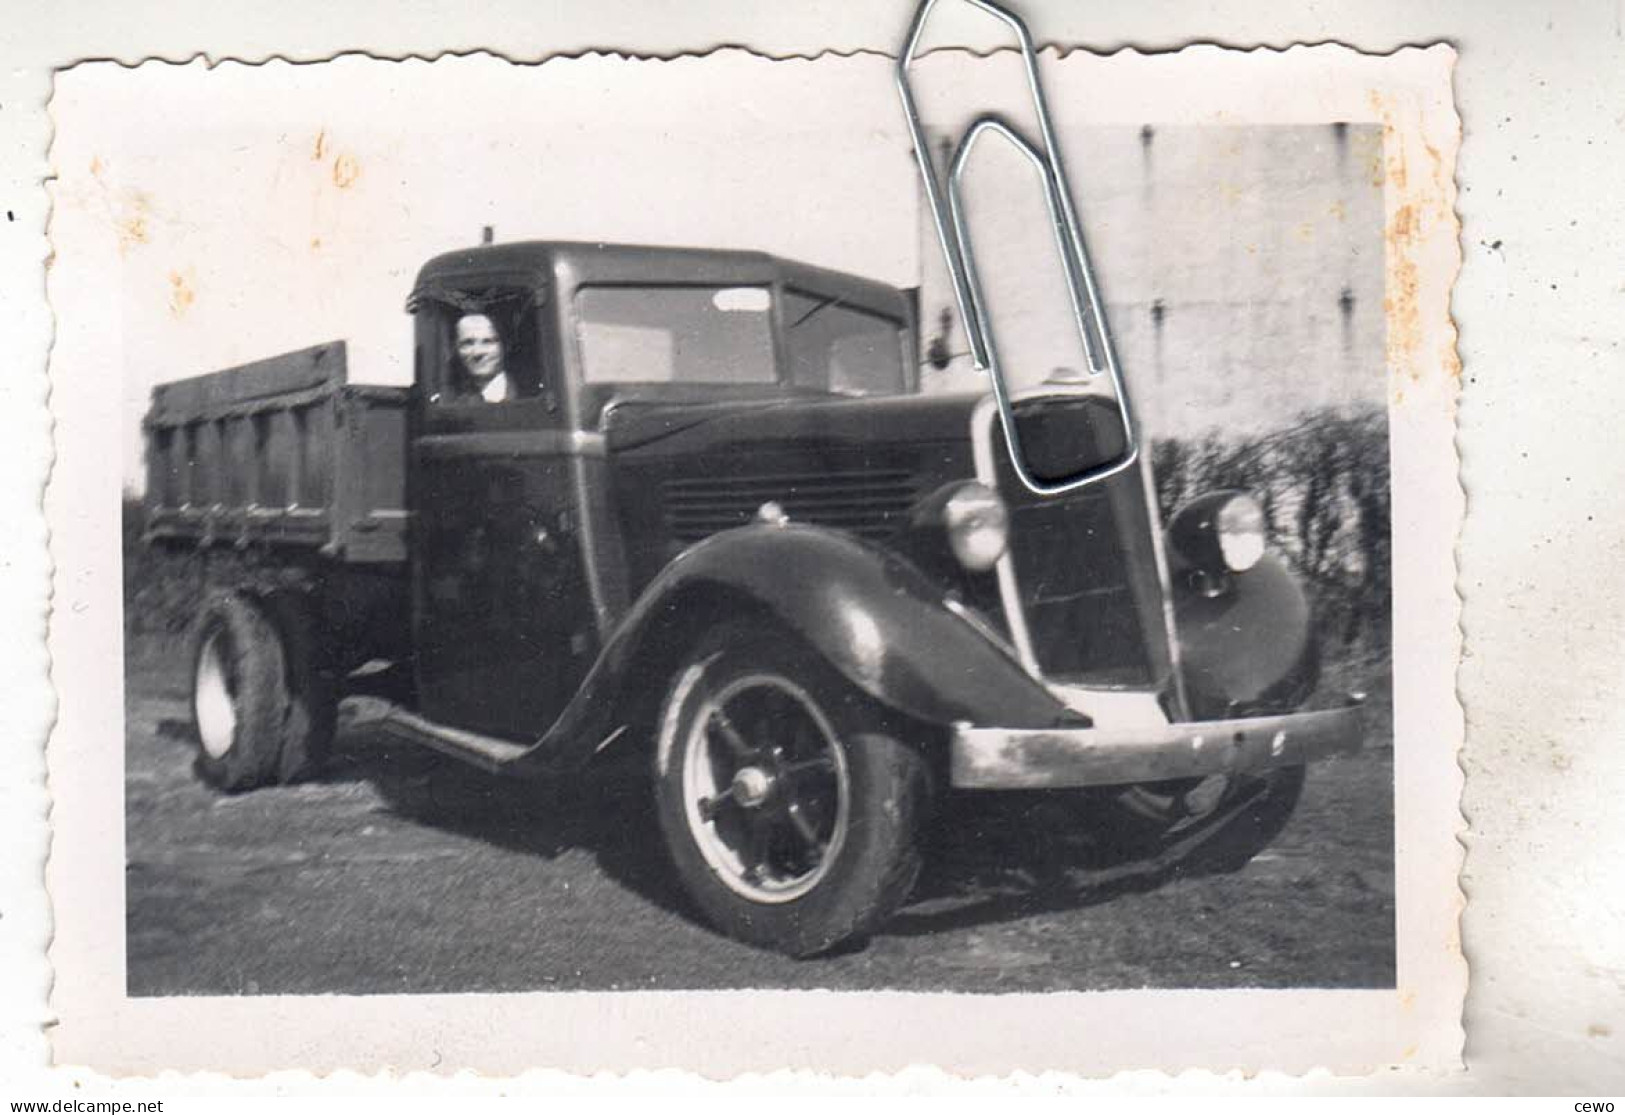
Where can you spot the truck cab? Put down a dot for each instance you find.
(524, 564)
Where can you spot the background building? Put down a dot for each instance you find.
(1242, 269)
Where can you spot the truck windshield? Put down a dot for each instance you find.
(837, 347)
(687, 334)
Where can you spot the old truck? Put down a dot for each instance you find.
(691, 506)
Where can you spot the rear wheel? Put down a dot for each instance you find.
(311, 716)
(792, 814)
(261, 711)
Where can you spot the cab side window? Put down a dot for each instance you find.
(490, 346)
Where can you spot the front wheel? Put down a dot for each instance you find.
(1161, 815)
(792, 814)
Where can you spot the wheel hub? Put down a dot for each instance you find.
(752, 786)
(766, 787)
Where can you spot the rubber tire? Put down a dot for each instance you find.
(311, 717)
(285, 714)
(1253, 829)
(890, 794)
(253, 659)
(1227, 849)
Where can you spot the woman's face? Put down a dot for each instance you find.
(478, 346)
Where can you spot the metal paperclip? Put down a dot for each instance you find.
(953, 234)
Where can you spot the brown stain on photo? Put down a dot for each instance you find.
(1435, 160)
(132, 228)
(346, 169)
(1376, 166)
(1399, 304)
(181, 294)
(128, 211)
(1424, 203)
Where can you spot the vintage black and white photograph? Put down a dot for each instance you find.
(712, 524)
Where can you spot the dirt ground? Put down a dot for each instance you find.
(400, 871)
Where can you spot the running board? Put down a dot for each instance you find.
(489, 753)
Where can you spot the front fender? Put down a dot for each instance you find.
(873, 617)
(1249, 647)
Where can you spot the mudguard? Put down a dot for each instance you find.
(1249, 647)
(870, 615)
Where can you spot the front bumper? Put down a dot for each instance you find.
(1034, 759)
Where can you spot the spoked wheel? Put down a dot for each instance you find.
(766, 788)
(792, 818)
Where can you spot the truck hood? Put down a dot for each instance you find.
(749, 428)
(1084, 563)
(682, 472)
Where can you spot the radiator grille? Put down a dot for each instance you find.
(1075, 589)
(1069, 562)
(872, 503)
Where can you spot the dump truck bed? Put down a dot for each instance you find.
(283, 453)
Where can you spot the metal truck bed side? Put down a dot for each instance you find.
(281, 452)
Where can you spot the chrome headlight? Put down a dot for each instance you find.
(1219, 533)
(977, 524)
(1240, 528)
